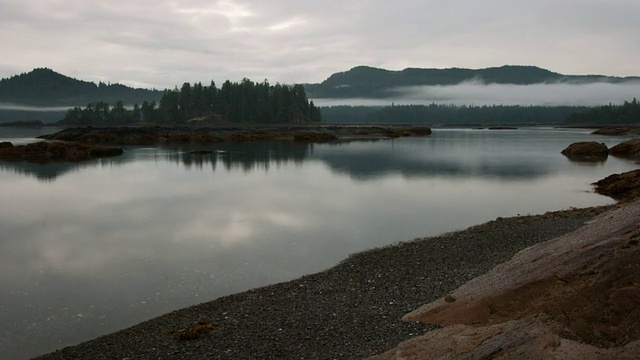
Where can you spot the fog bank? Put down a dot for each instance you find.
(477, 93)
(20, 107)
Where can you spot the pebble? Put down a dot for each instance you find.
(337, 313)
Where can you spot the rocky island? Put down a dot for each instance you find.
(149, 135)
(586, 151)
(85, 143)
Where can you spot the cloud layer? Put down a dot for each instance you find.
(479, 94)
(164, 43)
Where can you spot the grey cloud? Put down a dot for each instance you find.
(164, 43)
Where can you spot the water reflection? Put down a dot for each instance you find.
(117, 241)
(255, 156)
(366, 163)
(44, 172)
(246, 157)
(457, 156)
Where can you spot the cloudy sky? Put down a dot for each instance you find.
(161, 43)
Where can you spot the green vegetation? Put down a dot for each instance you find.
(244, 102)
(451, 114)
(249, 102)
(369, 82)
(627, 113)
(45, 87)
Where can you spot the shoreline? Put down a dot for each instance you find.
(351, 310)
(210, 134)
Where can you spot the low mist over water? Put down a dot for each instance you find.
(20, 107)
(478, 94)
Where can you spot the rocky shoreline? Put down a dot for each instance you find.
(354, 310)
(147, 135)
(86, 143)
(350, 311)
(574, 297)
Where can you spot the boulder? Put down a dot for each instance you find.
(586, 151)
(625, 186)
(628, 149)
(528, 338)
(573, 297)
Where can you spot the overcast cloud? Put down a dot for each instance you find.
(162, 43)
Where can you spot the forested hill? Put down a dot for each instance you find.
(45, 87)
(370, 82)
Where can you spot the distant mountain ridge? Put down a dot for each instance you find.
(45, 87)
(371, 82)
(34, 95)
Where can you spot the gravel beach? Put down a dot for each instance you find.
(350, 311)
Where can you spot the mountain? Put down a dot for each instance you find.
(370, 82)
(44, 94)
(45, 87)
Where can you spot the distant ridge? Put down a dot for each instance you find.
(45, 87)
(34, 95)
(371, 82)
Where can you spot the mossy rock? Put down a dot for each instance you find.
(586, 151)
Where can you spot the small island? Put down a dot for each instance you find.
(152, 135)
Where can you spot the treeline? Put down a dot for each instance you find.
(627, 113)
(370, 82)
(437, 114)
(246, 102)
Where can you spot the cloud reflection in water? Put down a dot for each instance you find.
(121, 240)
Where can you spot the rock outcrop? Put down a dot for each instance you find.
(574, 297)
(617, 130)
(586, 151)
(625, 186)
(629, 149)
(43, 152)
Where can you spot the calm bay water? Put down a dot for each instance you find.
(90, 248)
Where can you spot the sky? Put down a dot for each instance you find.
(162, 44)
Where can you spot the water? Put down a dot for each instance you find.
(90, 248)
